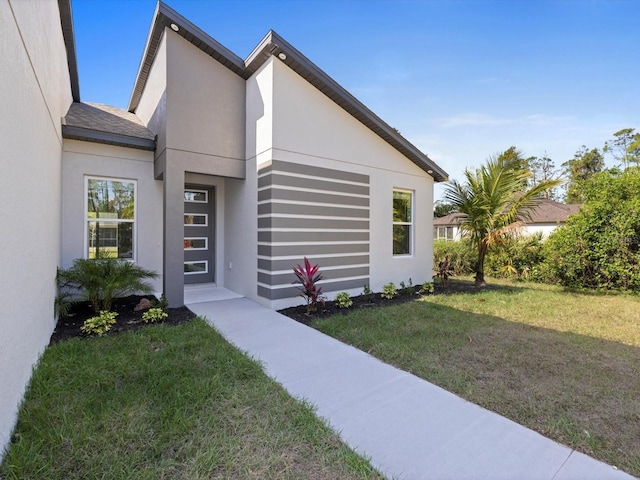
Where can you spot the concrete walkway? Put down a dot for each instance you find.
(409, 428)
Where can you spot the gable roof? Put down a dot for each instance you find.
(273, 44)
(547, 211)
(94, 122)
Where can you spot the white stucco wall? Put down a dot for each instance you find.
(308, 128)
(35, 94)
(82, 159)
(545, 228)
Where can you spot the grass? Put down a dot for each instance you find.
(564, 364)
(168, 403)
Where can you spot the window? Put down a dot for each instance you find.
(443, 233)
(402, 222)
(110, 218)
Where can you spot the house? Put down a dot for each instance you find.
(545, 218)
(222, 171)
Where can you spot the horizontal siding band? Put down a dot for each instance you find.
(290, 278)
(322, 172)
(311, 210)
(308, 250)
(275, 265)
(302, 196)
(311, 223)
(292, 292)
(273, 179)
(313, 236)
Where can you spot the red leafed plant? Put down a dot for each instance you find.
(308, 276)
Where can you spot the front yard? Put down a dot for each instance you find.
(167, 402)
(564, 364)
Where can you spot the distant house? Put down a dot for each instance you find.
(545, 219)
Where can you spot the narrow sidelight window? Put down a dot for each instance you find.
(402, 222)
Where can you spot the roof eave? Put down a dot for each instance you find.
(66, 21)
(109, 138)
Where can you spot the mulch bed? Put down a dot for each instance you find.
(127, 319)
(299, 313)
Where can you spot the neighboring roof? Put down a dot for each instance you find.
(547, 211)
(94, 122)
(66, 21)
(448, 220)
(273, 44)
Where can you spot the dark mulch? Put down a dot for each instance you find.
(127, 319)
(299, 313)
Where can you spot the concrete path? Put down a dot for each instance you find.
(409, 428)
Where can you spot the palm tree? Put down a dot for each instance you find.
(494, 202)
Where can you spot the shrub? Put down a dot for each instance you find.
(367, 293)
(427, 288)
(599, 247)
(101, 280)
(515, 257)
(154, 315)
(389, 291)
(308, 276)
(406, 288)
(343, 300)
(462, 255)
(162, 303)
(100, 324)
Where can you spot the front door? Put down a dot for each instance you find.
(198, 234)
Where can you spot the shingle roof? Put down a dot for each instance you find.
(94, 122)
(274, 45)
(547, 211)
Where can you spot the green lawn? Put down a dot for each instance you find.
(167, 403)
(564, 364)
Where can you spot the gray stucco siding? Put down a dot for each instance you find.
(292, 292)
(311, 210)
(304, 196)
(275, 265)
(313, 236)
(274, 179)
(310, 250)
(288, 278)
(311, 223)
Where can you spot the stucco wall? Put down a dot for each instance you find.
(151, 109)
(309, 129)
(205, 105)
(35, 94)
(82, 159)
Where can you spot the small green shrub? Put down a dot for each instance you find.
(162, 303)
(154, 315)
(406, 288)
(367, 293)
(100, 324)
(427, 288)
(343, 300)
(389, 291)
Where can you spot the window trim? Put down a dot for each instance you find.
(411, 223)
(197, 190)
(134, 240)
(192, 262)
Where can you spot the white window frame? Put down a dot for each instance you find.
(206, 244)
(410, 223)
(206, 219)
(134, 241)
(206, 267)
(195, 190)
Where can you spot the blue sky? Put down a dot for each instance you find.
(461, 80)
